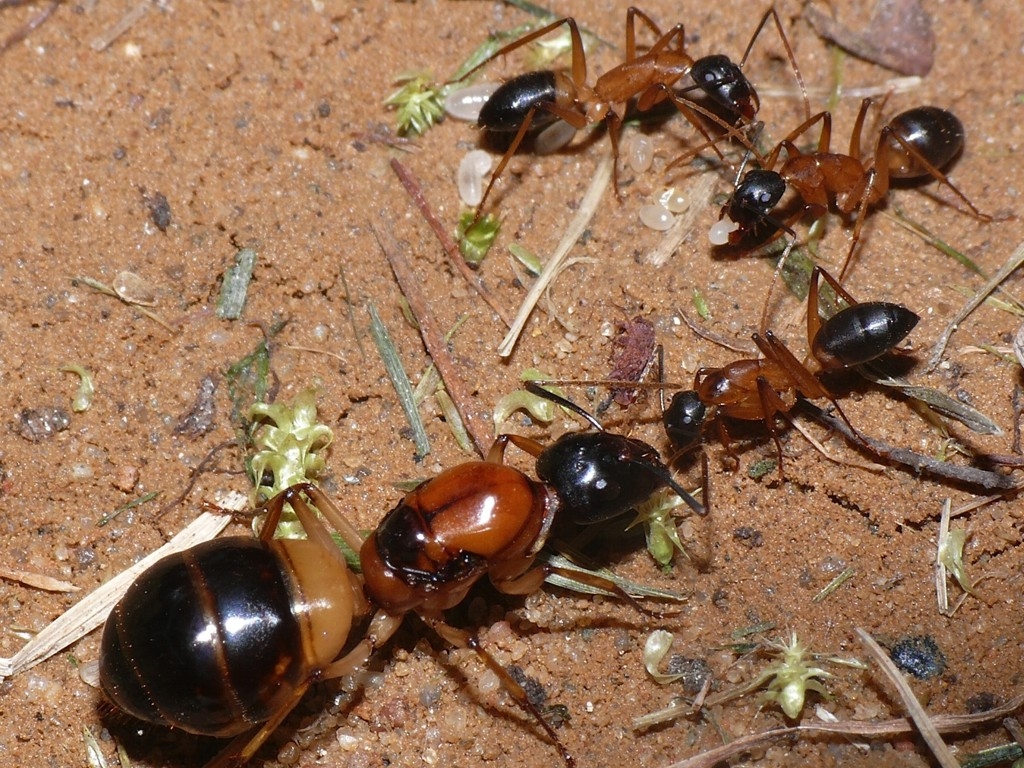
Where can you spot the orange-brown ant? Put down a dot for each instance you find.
(538, 99)
(224, 639)
(916, 143)
(762, 388)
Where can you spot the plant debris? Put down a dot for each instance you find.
(899, 36)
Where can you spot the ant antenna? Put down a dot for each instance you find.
(536, 389)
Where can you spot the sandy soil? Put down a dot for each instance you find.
(259, 123)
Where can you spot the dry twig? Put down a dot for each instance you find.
(477, 423)
(412, 187)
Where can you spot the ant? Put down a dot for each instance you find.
(538, 99)
(761, 389)
(224, 639)
(914, 144)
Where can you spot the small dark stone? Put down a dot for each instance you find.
(695, 672)
(38, 424)
(750, 537)
(981, 702)
(159, 210)
(920, 656)
(534, 690)
(200, 419)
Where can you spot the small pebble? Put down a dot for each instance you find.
(920, 656)
(38, 424)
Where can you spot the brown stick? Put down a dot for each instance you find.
(918, 462)
(477, 423)
(412, 187)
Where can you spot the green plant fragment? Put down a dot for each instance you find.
(453, 419)
(400, 381)
(145, 498)
(700, 304)
(418, 103)
(83, 397)
(235, 287)
(476, 237)
(527, 258)
(541, 409)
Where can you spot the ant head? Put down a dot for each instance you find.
(757, 195)
(751, 205)
(725, 84)
(600, 475)
(684, 419)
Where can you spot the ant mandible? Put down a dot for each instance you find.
(538, 99)
(224, 639)
(761, 389)
(914, 144)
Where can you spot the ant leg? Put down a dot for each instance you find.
(813, 313)
(579, 60)
(772, 13)
(870, 189)
(806, 383)
(382, 626)
(528, 581)
(497, 453)
(575, 119)
(516, 141)
(614, 131)
(631, 30)
(659, 92)
(824, 138)
(677, 32)
(726, 441)
(242, 748)
(858, 126)
(461, 639)
(772, 405)
(313, 526)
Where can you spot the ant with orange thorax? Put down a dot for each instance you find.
(915, 144)
(538, 99)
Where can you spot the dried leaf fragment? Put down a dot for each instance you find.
(898, 37)
(632, 355)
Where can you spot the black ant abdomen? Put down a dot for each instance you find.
(861, 333)
(508, 106)
(208, 641)
(936, 134)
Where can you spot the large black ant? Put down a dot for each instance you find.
(914, 144)
(538, 99)
(224, 639)
(762, 388)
